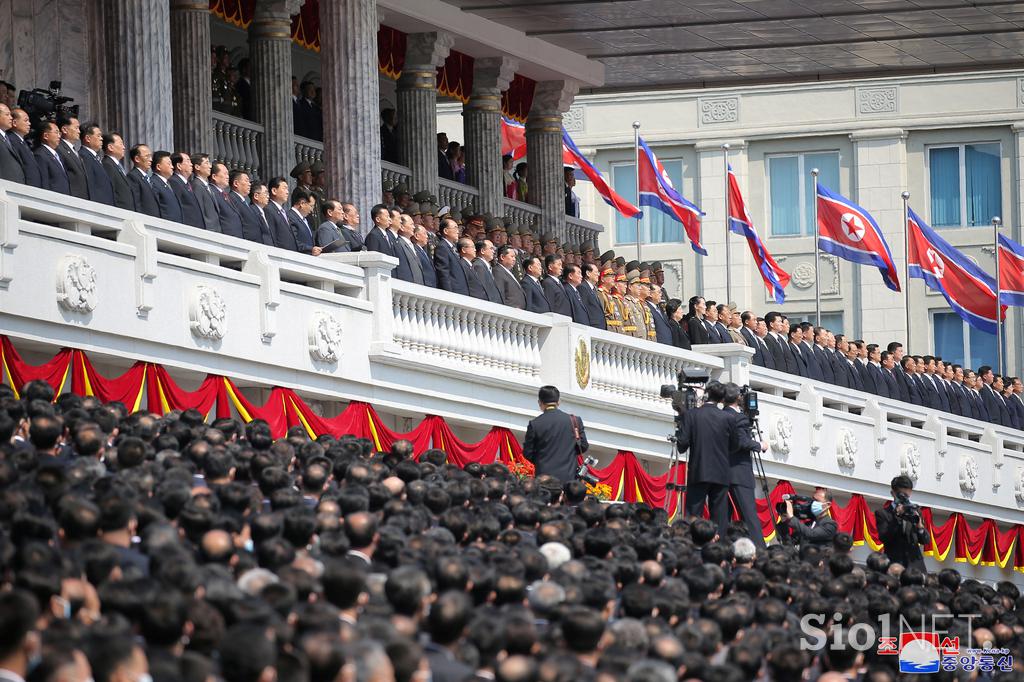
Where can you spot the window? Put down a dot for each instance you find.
(961, 343)
(791, 190)
(830, 321)
(966, 187)
(656, 227)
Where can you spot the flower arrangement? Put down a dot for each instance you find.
(601, 491)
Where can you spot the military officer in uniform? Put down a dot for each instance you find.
(644, 293)
(634, 308)
(606, 295)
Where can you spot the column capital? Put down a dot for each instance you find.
(190, 4)
(553, 98)
(494, 73)
(274, 12)
(427, 50)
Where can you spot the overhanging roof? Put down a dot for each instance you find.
(697, 43)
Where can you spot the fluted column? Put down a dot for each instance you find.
(482, 119)
(138, 64)
(351, 101)
(190, 75)
(544, 149)
(270, 54)
(417, 106)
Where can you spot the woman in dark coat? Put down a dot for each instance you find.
(695, 328)
(674, 313)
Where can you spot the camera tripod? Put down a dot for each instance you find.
(674, 488)
(759, 471)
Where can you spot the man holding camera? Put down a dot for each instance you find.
(822, 527)
(900, 526)
(741, 469)
(554, 439)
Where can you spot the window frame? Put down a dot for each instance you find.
(802, 171)
(645, 226)
(961, 148)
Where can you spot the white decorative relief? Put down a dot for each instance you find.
(1020, 93)
(719, 110)
(803, 276)
(207, 313)
(968, 474)
(846, 449)
(910, 461)
(574, 120)
(76, 284)
(883, 100)
(781, 435)
(324, 337)
(1018, 488)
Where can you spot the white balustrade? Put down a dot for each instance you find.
(310, 151)
(236, 142)
(578, 231)
(456, 194)
(521, 212)
(393, 174)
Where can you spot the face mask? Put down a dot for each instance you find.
(249, 545)
(817, 508)
(144, 677)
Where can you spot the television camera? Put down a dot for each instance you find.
(46, 104)
(584, 473)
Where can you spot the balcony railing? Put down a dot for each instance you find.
(393, 174)
(236, 142)
(308, 150)
(457, 195)
(578, 231)
(522, 213)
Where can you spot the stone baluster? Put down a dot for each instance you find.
(191, 75)
(417, 106)
(270, 51)
(482, 116)
(544, 140)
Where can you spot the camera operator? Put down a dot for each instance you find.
(900, 526)
(554, 439)
(822, 527)
(741, 469)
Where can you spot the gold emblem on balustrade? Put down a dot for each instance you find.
(582, 363)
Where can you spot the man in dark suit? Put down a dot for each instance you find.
(467, 252)
(709, 434)
(52, 174)
(349, 227)
(408, 268)
(252, 229)
(814, 369)
(798, 361)
(554, 292)
(939, 399)
(482, 268)
(536, 301)
(328, 233)
(69, 135)
(227, 213)
(902, 536)
(143, 195)
(588, 290)
(510, 290)
(572, 278)
(888, 362)
(100, 187)
(777, 343)
(821, 355)
(444, 168)
(878, 386)
(170, 207)
(377, 239)
(450, 275)
(302, 206)
(20, 128)
(204, 192)
(113, 158)
(662, 330)
(420, 237)
(10, 162)
(259, 197)
(905, 377)
(554, 440)
(741, 469)
(191, 211)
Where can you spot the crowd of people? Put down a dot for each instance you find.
(137, 547)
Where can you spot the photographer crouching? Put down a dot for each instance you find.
(555, 440)
(900, 526)
(806, 521)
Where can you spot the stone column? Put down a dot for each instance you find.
(544, 151)
(351, 100)
(191, 76)
(138, 64)
(482, 114)
(417, 106)
(270, 54)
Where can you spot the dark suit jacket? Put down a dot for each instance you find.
(444, 169)
(52, 175)
(536, 301)
(355, 240)
(119, 183)
(814, 370)
(473, 283)
(710, 435)
(227, 214)
(483, 272)
(28, 160)
(902, 541)
(550, 444)
(143, 195)
(328, 233)
(554, 292)
(404, 269)
(697, 332)
(252, 227)
(877, 385)
(191, 211)
(594, 310)
(11, 167)
(207, 204)
(266, 231)
(302, 231)
(450, 275)
(798, 355)
(511, 291)
(937, 390)
(577, 308)
(427, 266)
(170, 207)
(100, 187)
(663, 333)
(75, 170)
(854, 377)
(377, 241)
(280, 228)
(741, 470)
(680, 339)
(891, 383)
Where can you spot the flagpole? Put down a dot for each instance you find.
(817, 289)
(996, 222)
(906, 262)
(636, 165)
(728, 251)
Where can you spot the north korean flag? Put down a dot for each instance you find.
(656, 191)
(1011, 272)
(848, 231)
(969, 290)
(513, 138)
(775, 278)
(572, 156)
